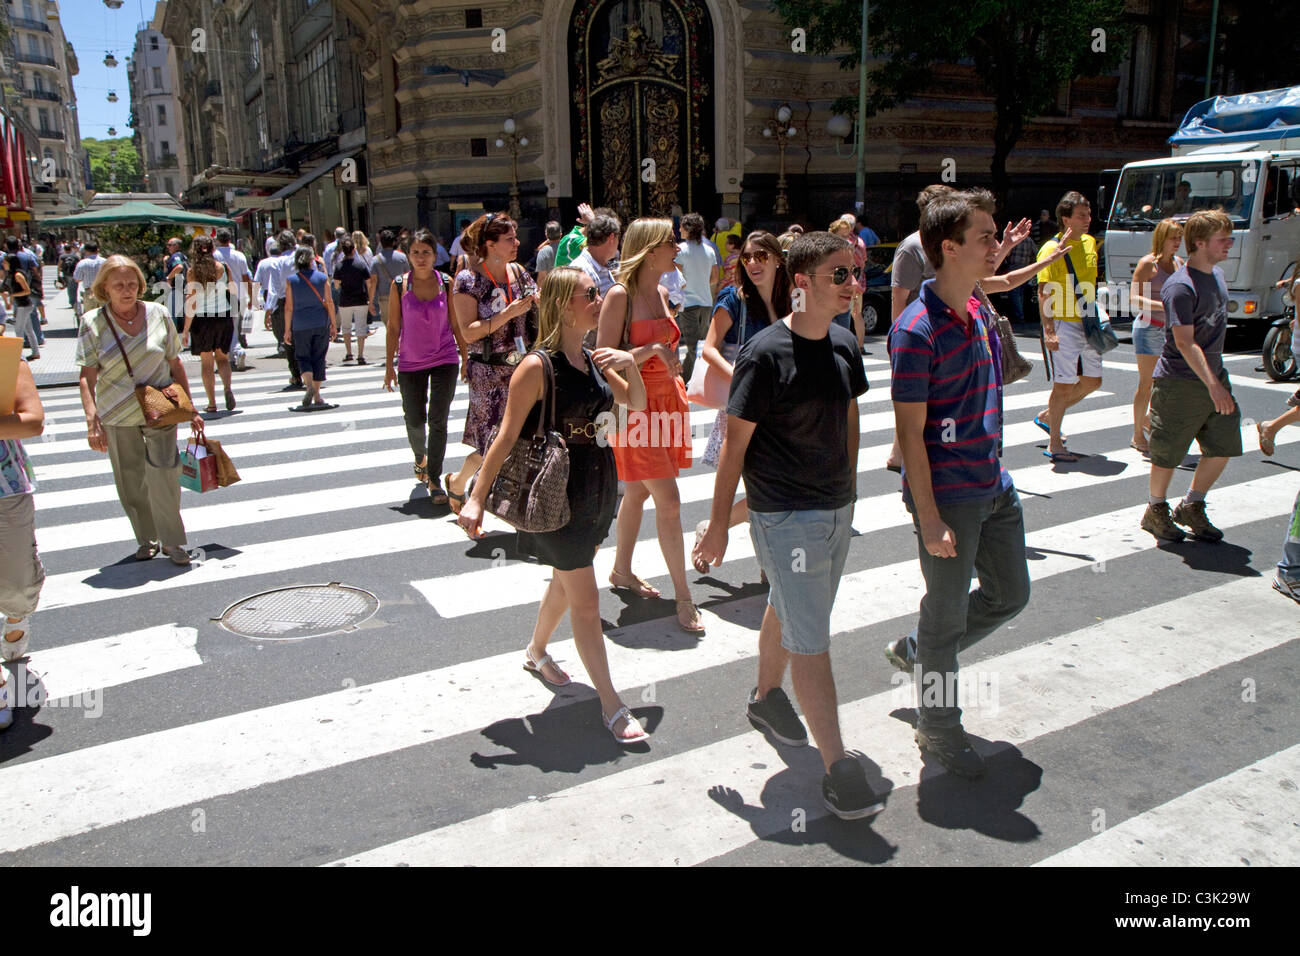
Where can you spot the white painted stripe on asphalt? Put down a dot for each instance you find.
(1236, 380)
(1249, 817)
(77, 669)
(660, 812)
(211, 757)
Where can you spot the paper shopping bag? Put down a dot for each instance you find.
(198, 468)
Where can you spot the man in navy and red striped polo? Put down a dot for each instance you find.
(947, 392)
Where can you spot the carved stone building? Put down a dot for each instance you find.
(639, 104)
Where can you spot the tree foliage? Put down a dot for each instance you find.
(1022, 50)
(103, 153)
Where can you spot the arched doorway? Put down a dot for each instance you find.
(641, 113)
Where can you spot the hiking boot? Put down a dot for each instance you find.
(776, 715)
(846, 792)
(1191, 515)
(1157, 521)
(952, 748)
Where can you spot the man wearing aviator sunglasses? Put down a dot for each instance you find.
(792, 431)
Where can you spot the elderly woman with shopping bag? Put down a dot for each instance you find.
(129, 353)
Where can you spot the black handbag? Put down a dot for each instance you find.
(531, 491)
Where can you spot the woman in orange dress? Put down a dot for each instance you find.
(653, 445)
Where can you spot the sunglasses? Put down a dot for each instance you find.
(760, 256)
(840, 275)
(590, 293)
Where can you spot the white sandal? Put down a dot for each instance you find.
(631, 722)
(535, 667)
(13, 650)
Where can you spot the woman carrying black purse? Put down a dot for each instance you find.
(587, 384)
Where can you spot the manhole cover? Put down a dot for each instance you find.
(293, 614)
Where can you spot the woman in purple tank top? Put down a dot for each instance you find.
(426, 346)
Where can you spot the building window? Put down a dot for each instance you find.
(44, 115)
(473, 19)
(167, 185)
(166, 147)
(153, 41)
(478, 147)
(157, 78)
(162, 115)
(257, 109)
(319, 90)
(252, 43)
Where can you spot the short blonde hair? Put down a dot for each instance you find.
(99, 289)
(1204, 225)
(840, 228)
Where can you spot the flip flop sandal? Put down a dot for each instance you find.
(210, 410)
(535, 667)
(436, 494)
(230, 400)
(1038, 420)
(1065, 457)
(638, 586)
(632, 723)
(422, 472)
(454, 500)
(694, 626)
(146, 552)
(1265, 444)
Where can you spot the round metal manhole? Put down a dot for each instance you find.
(297, 613)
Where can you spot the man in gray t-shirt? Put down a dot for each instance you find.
(388, 264)
(1191, 396)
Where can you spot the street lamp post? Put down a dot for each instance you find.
(779, 126)
(513, 140)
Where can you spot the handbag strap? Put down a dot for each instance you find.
(546, 420)
(108, 319)
(307, 279)
(1080, 302)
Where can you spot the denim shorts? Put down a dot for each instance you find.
(1148, 339)
(803, 553)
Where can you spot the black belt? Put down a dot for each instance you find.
(498, 358)
(580, 431)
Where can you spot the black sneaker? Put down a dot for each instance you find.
(846, 792)
(775, 715)
(902, 653)
(952, 749)
(1191, 514)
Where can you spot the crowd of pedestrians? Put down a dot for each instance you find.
(613, 318)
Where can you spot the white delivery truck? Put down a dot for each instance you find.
(1240, 154)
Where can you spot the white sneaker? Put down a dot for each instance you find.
(13, 650)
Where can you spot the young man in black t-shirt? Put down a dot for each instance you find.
(792, 431)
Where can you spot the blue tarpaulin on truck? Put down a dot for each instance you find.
(1270, 115)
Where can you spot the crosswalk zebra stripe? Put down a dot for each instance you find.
(1246, 817)
(77, 669)
(668, 819)
(210, 757)
(1237, 381)
(513, 584)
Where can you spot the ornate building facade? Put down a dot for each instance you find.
(644, 105)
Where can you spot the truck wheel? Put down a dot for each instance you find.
(1279, 363)
(870, 314)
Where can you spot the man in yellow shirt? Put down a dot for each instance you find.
(1062, 290)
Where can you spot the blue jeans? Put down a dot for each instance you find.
(1289, 567)
(990, 542)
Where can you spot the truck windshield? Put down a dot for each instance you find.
(1148, 194)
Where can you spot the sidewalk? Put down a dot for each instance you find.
(56, 366)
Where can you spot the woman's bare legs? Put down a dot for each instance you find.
(628, 526)
(584, 617)
(554, 603)
(668, 523)
(1142, 399)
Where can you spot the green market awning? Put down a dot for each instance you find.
(143, 213)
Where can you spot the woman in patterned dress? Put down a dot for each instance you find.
(492, 304)
(655, 444)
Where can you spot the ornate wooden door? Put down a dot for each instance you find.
(641, 72)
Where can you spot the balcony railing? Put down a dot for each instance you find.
(167, 161)
(42, 95)
(39, 59)
(25, 24)
(46, 133)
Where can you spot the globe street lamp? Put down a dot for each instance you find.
(514, 141)
(779, 126)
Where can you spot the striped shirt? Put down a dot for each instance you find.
(955, 367)
(150, 351)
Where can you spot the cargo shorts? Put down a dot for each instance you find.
(1182, 410)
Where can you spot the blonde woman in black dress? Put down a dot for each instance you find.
(586, 386)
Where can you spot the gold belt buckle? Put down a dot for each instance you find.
(515, 357)
(588, 430)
